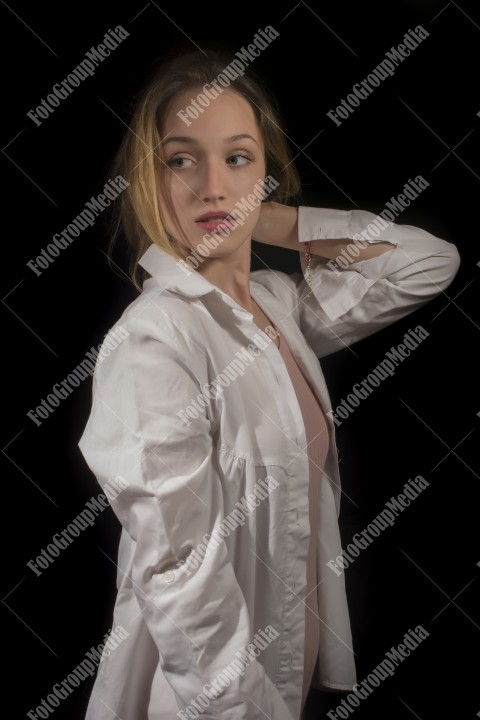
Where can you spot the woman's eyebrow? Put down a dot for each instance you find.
(179, 138)
(193, 141)
(241, 136)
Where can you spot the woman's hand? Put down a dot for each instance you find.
(277, 225)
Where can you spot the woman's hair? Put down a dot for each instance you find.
(140, 156)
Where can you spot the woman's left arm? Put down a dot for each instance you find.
(365, 273)
(278, 225)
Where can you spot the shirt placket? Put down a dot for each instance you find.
(289, 675)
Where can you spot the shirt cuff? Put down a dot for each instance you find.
(331, 224)
(338, 290)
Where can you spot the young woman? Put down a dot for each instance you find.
(212, 416)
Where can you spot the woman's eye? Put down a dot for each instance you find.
(241, 159)
(178, 162)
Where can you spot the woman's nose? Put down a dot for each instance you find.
(212, 182)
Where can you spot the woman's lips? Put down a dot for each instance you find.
(215, 224)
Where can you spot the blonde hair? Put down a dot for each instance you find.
(140, 158)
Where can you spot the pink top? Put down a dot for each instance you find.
(316, 430)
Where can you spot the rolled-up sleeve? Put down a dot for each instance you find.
(172, 502)
(349, 299)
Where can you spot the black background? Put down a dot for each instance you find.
(423, 420)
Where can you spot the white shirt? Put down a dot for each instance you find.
(185, 628)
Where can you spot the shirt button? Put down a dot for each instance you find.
(169, 576)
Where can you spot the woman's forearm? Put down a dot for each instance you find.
(278, 225)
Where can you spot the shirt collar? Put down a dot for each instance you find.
(174, 276)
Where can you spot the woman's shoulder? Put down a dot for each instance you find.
(153, 309)
(153, 323)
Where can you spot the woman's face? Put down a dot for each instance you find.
(212, 164)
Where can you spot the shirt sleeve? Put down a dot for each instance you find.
(172, 502)
(351, 300)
